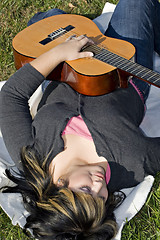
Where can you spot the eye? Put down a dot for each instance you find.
(85, 189)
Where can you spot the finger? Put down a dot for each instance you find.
(81, 37)
(84, 42)
(71, 37)
(85, 54)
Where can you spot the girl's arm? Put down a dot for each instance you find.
(15, 117)
(69, 50)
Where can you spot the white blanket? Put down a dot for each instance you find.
(136, 197)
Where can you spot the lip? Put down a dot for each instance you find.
(100, 175)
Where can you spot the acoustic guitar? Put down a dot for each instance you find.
(109, 69)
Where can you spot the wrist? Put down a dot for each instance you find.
(46, 62)
(59, 53)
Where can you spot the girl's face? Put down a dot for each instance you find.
(89, 179)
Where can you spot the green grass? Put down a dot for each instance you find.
(8, 231)
(14, 15)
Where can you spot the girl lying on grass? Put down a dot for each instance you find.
(79, 150)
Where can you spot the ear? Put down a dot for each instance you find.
(60, 182)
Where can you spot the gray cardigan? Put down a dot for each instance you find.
(113, 120)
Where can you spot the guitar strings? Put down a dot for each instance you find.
(103, 54)
(95, 48)
(69, 34)
(133, 68)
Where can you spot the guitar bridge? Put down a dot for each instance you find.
(55, 34)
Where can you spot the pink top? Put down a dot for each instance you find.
(137, 89)
(77, 126)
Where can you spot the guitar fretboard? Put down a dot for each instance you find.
(124, 64)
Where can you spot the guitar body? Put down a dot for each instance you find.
(88, 76)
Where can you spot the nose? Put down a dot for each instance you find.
(97, 185)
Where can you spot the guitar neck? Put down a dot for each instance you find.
(126, 65)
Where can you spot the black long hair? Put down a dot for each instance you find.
(57, 212)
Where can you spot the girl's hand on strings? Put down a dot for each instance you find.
(68, 50)
(71, 48)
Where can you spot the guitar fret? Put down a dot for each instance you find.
(125, 68)
(148, 73)
(102, 55)
(153, 75)
(109, 58)
(148, 76)
(114, 61)
(141, 72)
(134, 68)
(156, 81)
(127, 65)
(95, 49)
(117, 61)
(114, 58)
(120, 62)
